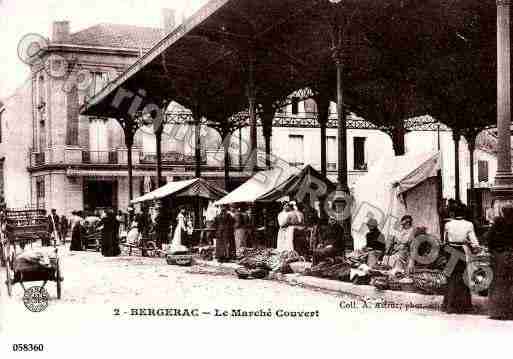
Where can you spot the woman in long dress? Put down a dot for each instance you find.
(286, 220)
(398, 249)
(500, 242)
(224, 235)
(179, 235)
(460, 236)
(240, 230)
(76, 242)
(110, 240)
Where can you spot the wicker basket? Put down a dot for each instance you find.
(394, 284)
(179, 259)
(430, 281)
(407, 284)
(380, 282)
(300, 266)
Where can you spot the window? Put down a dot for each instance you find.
(98, 81)
(482, 171)
(98, 141)
(331, 153)
(296, 145)
(40, 192)
(41, 91)
(295, 105)
(42, 136)
(359, 153)
(39, 94)
(310, 106)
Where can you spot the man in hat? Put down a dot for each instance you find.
(375, 242)
(53, 225)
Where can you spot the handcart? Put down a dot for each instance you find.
(19, 228)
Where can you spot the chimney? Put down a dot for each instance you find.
(168, 20)
(60, 31)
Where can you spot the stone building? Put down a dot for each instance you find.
(15, 140)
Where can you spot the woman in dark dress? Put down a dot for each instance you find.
(460, 237)
(110, 230)
(224, 235)
(500, 243)
(76, 241)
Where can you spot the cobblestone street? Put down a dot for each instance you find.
(95, 287)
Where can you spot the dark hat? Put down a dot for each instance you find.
(407, 217)
(372, 222)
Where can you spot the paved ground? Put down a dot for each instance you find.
(95, 288)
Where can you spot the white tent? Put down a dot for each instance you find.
(164, 191)
(258, 185)
(196, 187)
(396, 186)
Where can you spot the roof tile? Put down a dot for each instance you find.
(120, 36)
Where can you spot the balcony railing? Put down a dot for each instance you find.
(106, 157)
(39, 158)
(172, 158)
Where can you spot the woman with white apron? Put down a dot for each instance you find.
(176, 243)
(286, 220)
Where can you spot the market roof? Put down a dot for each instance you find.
(196, 187)
(401, 54)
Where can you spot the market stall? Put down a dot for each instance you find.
(193, 195)
(393, 187)
(264, 194)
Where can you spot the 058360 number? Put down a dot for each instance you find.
(27, 347)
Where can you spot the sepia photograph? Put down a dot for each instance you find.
(229, 178)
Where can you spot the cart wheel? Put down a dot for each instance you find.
(8, 280)
(58, 281)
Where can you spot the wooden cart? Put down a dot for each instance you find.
(19, 228)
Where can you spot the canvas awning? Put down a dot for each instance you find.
(196, 187)
(258, 185)
(308, 180)
(271, 185)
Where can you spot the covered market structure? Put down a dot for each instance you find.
(383, 60)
